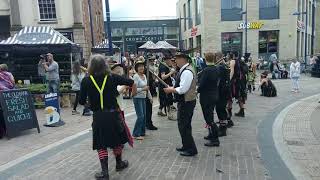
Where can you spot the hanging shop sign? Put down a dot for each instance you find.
(250, 25)
(194, 31)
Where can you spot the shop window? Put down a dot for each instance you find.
(268, 43)
(189, 15)
(231, 42)
(47, 10)
(198, 41)
(190, 43)
(231, 10)
(269, 9)
(185, 17)
(198, 11)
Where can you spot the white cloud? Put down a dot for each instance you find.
(143, 9)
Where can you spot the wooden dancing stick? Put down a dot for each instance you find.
(160, 80)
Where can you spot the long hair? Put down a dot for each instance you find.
(76, 68)
(98, 66)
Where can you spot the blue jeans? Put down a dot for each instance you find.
(140, 126)
(53, 86)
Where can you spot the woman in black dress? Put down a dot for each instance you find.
(109, 130)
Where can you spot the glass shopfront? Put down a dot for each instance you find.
(268, 43)
(231, 42)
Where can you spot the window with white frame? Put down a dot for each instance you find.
(47, 10)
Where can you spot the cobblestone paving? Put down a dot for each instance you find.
(300, 139)
(238, 157)
(29, 140)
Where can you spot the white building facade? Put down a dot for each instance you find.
(219, 25)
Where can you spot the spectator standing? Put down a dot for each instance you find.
(139, 101)
(76, 78)
(52, 68)
(295, 75)
(6, 83)
(42, 70)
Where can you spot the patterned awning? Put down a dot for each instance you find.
(37, 35)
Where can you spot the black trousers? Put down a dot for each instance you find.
(76, 102)
(185, 113)
(221, 109)
(207, 105)
(149, 122)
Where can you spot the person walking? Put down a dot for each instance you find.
(238, 84)
(139, 101)
(76, 78)
(185, 95)
(52, 68)
(295, 75)
(209, 95)
(108, 130)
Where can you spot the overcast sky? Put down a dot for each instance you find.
(144, 9)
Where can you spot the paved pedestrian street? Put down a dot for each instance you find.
(249, 152)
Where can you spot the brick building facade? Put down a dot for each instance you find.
(70, 17)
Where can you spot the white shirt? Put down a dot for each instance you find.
(185, 80)
(295, 70)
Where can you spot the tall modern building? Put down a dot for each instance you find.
(272, 27)
(69, 17)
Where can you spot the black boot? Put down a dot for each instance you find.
(229, 113)
(214, 140)
(209, 135)
(104, 174)
(121, 165)
(240, 113)
(249, 88)
(223, 130)
(230, 123)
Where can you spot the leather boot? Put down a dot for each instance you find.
(214, 140)
(223, 130)
(230, 124)
(120, 164)
(209, 135)
(240, 113)
(104, 174)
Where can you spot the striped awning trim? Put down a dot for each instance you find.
(105, 45)
(37, 35)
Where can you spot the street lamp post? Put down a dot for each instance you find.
(246, 27)
(109, 27)
(305, 33)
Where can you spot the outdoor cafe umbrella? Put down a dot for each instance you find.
(164, 45)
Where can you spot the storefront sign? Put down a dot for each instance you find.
(250, 25)
(300, 25)
(143, 38)
(194, 31)
(67, 34)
